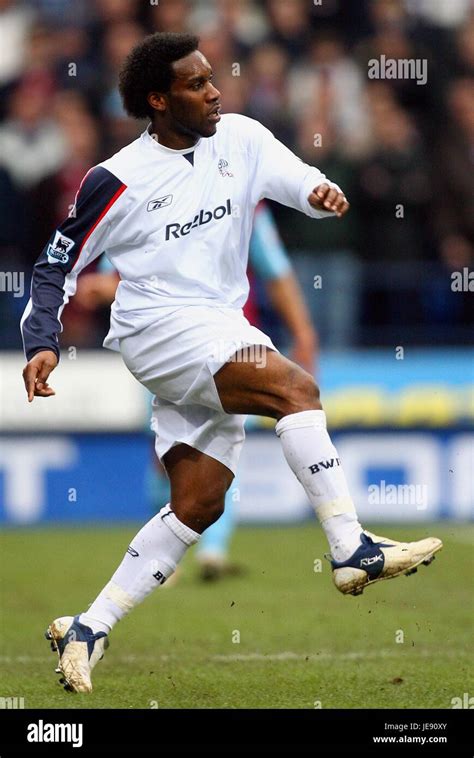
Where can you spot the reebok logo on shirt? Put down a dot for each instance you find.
(201, 218)
(160, 202)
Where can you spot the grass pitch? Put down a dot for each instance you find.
(402, 644)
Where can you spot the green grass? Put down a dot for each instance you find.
(300, 640)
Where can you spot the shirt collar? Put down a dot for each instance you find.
(148, 139)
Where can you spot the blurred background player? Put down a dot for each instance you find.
(268, 261)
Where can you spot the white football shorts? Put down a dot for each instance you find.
(175, 358)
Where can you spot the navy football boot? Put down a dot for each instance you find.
(379, 558)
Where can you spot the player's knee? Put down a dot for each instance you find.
(215, 509)
(207, 503)
(209, 509)
(302, 394)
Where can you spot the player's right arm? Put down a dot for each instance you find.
(36, 373)
(75, 243)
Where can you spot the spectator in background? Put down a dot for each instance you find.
(32, 146)
(13, 243)
(291, 26)
(170, 16)
(454, 206)
(464, 47)
(394, 185)
(453, 218)
(53, 196)
(242, 22)
(102, 16)
(329, 82)
(106, 12)
(15, 23)
(76, 64)
(61, 14)
(349, 20)
(245, 22)
(40, 60)
(268, 90)
(393, 39)
(445, 14)
(393, 197)
(119, 39)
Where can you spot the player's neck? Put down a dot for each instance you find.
(171, 139)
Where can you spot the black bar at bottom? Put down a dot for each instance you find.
(222, 732)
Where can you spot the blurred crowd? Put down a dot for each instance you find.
(403, 151)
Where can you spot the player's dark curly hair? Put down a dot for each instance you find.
(147, 69)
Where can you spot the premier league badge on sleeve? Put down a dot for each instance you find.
(58, 251)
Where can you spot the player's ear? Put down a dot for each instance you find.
(157, 101)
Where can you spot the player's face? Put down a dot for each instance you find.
(193, 101)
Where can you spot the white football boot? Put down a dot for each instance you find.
(79, 650)
(380, 558)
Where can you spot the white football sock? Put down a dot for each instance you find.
(151, 558)
(313, 459)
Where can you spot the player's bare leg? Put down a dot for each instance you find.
(282, 390)
(198, 487)
(185, 500)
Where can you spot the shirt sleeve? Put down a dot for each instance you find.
(282, 176)
(73, 245)
(268, 256)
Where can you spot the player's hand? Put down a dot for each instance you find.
(36, 373)
(326, 198)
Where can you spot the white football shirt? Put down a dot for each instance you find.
(175, 224)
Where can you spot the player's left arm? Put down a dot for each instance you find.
(330, 198)
(280, 175)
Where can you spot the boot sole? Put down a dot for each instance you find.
(73, 664)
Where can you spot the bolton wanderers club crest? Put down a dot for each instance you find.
(223, 167)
